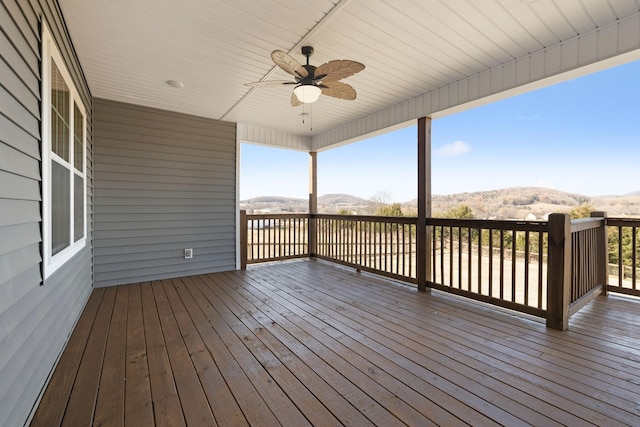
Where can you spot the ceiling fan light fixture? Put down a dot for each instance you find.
(307, 93)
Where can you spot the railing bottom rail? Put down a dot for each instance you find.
(359, 267)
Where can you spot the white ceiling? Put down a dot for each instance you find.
(130, 48)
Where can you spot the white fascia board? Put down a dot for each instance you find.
(272, 138)
(610, 45)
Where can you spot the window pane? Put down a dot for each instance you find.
(60, 114)
(60, 207)
(78, 119)
(78, 208)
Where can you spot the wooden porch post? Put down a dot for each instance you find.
(559, 271)
(423, 237)
(243, 240)
(603, 251)
(313, 201)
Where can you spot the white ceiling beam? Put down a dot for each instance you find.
(264, 136)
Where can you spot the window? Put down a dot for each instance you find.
(63, 161)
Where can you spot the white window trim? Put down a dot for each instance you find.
(54, 262)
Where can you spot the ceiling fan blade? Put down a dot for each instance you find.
(288, 64)
(337, 69)
(294, 100)
(270, 83)
(338, 90)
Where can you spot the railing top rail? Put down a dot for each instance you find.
(370, 218)
(277, 216)
(491, 224)
(625, 222)
(517, 225)
(582, 224)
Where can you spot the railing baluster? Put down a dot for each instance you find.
(480, 260)
(620, 260)
(514, 254)
(459, 230)
(469, 258)
(397, 247)
(258, 248)
(540, 267)
(526, 267)
(501, 264)
(451, 254)
(438, 249)
(491, 262)
(634, 257)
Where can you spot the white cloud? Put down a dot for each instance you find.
(456, 148)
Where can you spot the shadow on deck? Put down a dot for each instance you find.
(309, 343)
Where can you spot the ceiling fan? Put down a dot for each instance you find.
(311, 81)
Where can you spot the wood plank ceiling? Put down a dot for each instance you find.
(129, 49)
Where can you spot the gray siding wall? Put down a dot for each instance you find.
(164, 182)
(35, 318)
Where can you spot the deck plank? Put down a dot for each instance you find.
(224, 407)
(368, 337)
(82, 401)
(193, 400)
(309, 343)
(253, 336)
(275, 397)
(510, 362)
(167, 407)
(380, 339)
(293, 353)
(386, 383)
(138, 409)
(110, 404)
(54, 401)
(253, 406)
(386, 408)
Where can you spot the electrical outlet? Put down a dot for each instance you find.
(188, 253)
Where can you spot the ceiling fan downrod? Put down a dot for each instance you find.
(307, 51)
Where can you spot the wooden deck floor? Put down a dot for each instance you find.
(307, 343)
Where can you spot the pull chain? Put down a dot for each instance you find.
(304, 114)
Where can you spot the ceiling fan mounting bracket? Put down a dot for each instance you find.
(307, 51)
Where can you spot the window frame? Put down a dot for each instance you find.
(51, 262)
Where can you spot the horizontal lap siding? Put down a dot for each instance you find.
(164, 182)
(36, 318)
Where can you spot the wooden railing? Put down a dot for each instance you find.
(624, 255)
(588, 260)
(274, 237)
(382, 245)
(544, 268)
(499, 262)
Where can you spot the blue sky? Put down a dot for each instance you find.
(580, 136)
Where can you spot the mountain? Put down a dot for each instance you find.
(338, 200)
(507, 203)
(510, 203)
